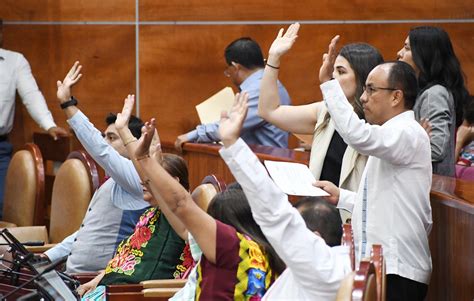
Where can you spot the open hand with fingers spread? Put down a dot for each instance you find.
(124, 117)
(284, 42)
(143, 146)
(231, 122)
(329, 58)
(64, 87)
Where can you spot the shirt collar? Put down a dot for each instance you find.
(402, 116)
(1, 54)
(250, 79)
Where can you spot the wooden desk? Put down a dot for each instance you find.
(452, 239)
(204, 159)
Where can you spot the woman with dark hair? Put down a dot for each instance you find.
(237, 259)
(442, 93)
(331, 158)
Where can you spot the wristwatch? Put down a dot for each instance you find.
(71, 102)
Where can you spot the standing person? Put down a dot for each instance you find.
(331, 158)
(442, 94)
(392, 205)
(245, 69)
(15, 75)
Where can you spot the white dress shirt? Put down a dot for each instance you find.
(398, 175)
(314, 270)
(15, 74)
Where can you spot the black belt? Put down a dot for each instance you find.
(3, 138)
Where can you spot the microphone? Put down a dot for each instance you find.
(49, 268)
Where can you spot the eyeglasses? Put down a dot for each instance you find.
(369, 89)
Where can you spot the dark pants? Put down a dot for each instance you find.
(6, 150)
(404, 289)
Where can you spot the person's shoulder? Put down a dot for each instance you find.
(9, 53)
(436, 90)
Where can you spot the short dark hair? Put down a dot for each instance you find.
(135, 124)
(363, 58)
(323, 217)
(231, 207)
(176, 167)
(434, 56)
(246, 52)
(402, 76)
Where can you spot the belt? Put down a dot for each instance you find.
(3, 137)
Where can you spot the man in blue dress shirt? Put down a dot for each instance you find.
(245, 69)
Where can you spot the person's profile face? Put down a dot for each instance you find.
(405, 55)
(113, 139)
(346, 77)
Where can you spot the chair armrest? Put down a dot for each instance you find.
(40, 249)
(124, 288)
(164, 283)
(159, 292)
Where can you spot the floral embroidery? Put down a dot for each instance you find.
(129, 252)
(187, 263)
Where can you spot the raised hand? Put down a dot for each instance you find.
(284, 42)
(155, 148)
(64, 87)
(231, 122)
(329, 58)
(143, 145)
(124, 117)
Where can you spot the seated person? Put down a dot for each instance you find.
(116, 205)
(237, 259)
(245, 69)
(154, 250)
(315, 264)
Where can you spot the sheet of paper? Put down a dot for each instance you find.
(210, 109)
(293, 178)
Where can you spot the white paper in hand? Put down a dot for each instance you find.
(293, 178)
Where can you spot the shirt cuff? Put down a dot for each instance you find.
(49, 124)
(227, 153)
(346, 200)
(56, 253)
(192, 136)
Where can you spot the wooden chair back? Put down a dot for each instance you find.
(204, 193)
(74, 185)
(364, 285)
(377, 259)
(348, 240)
(24, 203)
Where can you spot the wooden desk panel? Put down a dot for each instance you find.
(107, 54)
(180, 66)
(66, 10)
(215, 10)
